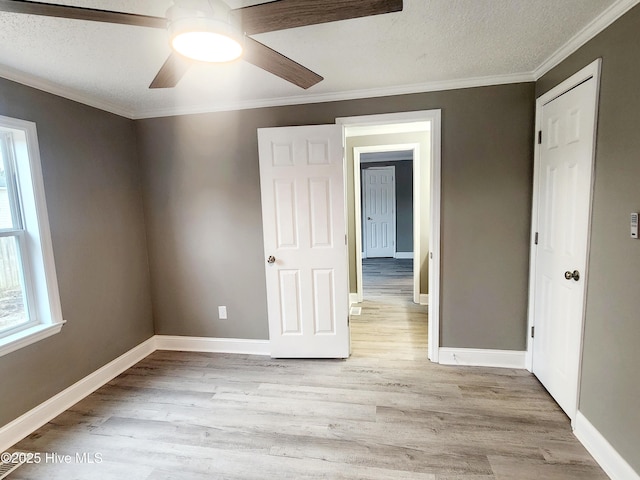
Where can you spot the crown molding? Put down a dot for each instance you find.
(602, 21)
(339, 96)
(65, 92)
(77, 96)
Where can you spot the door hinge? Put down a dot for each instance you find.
(539, 137)
(533, 332)
(345, 239)
(536, 239)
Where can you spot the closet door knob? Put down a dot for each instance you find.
(575, 275)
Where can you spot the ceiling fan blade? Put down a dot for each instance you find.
(80, 13)
(273, 62)
(171, 72)
(283, 14)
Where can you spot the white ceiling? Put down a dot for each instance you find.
(430, 45)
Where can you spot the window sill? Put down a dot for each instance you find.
(28, 336)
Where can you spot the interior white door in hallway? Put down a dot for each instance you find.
(379, 211)
(304, 227)
(564, 203)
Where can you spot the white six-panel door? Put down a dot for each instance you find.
(564, 197)
(379, 211)
(303, 214)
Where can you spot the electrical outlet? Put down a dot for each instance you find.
(222, 313)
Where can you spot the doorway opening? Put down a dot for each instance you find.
(380, 262)
(386, 223)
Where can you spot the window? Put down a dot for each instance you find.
(29, 299)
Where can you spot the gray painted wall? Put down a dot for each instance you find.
(404, 206)
(404, 201)
(202, 205)
(92, 185)
(610, 384)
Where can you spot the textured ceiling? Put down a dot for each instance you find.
(431, 42)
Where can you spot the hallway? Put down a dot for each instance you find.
(390, 325)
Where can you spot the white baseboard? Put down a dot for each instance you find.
(424, 299)
(403, 255)
(29, 422)
(601, 450)
(353, 298)
(481, 358)
(212, 345)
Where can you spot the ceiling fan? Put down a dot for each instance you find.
(213, 20)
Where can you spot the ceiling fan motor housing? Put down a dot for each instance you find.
(210, 16)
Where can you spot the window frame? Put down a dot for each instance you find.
(42, 297)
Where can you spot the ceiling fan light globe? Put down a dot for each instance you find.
(205, 30)
(206, 46)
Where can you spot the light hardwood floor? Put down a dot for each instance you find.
(391, 325)
(385, 413)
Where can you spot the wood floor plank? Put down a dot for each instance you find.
(385, 413)
(508, 468)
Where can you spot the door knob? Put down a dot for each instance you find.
(368, 218)
(271, 259)
(572, 275)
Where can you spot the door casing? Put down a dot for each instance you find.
(590, 71)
